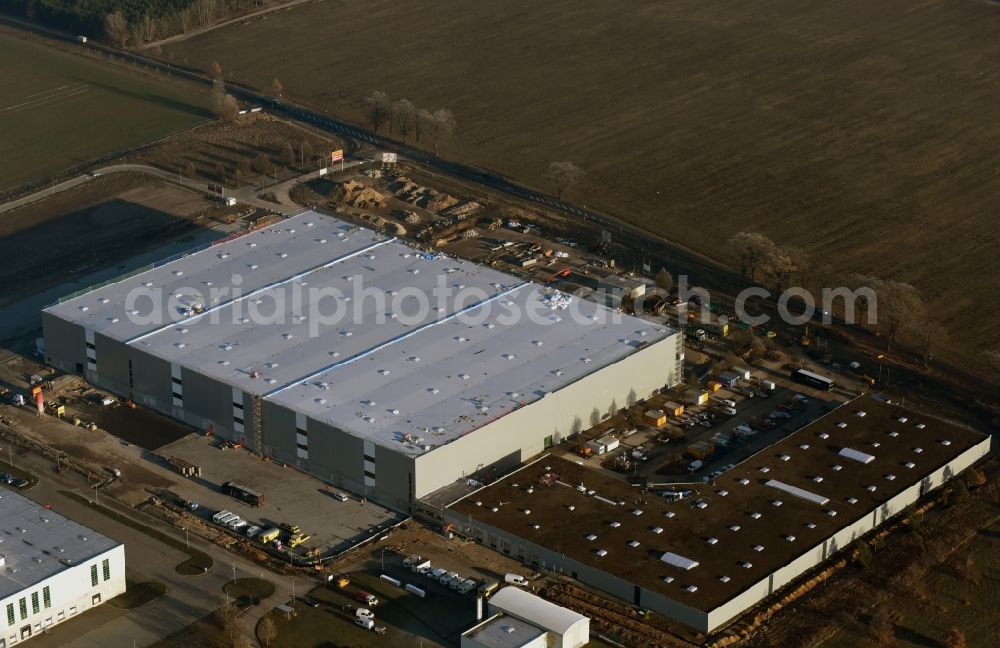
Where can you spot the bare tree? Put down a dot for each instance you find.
(228, 618)
(216, 70)
(219, 172)
(237, 176)
(218, 93)
(190, 170)
(664, 280)
(778, 267)
(230, 108)
(563, 175)
(244, 167)
(267, 631)
(750, 250)
(443, 126)
(148, 26)
(379, 106)
(116, 28)
(898, 304)
(404, 114)
(423, 122)
(276, 88)
(928, 335)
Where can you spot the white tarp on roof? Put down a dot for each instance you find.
(797, 492)
(857, 455)
(528, 607)
(679, 561)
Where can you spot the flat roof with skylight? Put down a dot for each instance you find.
(709, 547)
(36, 543)
(377, 372)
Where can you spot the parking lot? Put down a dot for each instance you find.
(650, 454)
(289, 496)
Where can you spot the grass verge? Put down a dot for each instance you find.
(249, 591)
(198, 561)
(138, 595)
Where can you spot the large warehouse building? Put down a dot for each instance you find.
(723, 547)
(329, 347)
(51, 569)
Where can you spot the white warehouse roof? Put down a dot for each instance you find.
(36, 543)
(379, 373)
(535, 610)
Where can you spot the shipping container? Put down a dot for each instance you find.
(248, 495)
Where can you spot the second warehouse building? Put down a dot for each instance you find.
(370, 364)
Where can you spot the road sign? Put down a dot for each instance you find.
(388, 158)
(337, 156)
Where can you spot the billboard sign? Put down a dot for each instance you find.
(337, 156)
(388, 158)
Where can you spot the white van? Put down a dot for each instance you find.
(341, 496)
(729, 410)
(515, 579)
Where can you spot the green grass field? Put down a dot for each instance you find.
(58, 110)
(866, 132)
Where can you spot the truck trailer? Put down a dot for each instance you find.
(248, 495)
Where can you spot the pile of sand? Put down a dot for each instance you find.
(356, 194)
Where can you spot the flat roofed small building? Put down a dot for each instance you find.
(380, 368)
(51, 568)
(709, 556)
(503, 631)
(569, 629)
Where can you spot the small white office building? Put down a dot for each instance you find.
(520, 619)
(51, 569)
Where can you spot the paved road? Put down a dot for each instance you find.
(245, 194)
(188, 598)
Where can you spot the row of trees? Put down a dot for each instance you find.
(402, 116)
(900, 307)
(136, 22)
(260, 165)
